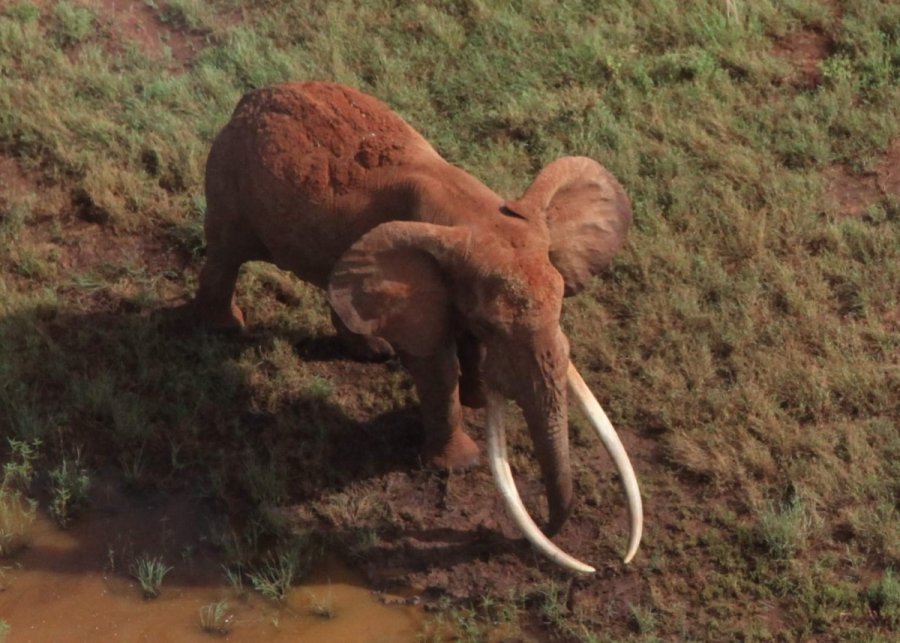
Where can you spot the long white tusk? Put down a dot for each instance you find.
(507, 486)
(591, 407)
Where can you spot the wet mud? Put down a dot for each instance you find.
(75, 585)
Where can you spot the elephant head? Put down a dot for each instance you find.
(501, 277)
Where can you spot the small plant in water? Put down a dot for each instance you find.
(16, 510)
(235, 578)
(150, 573)
(323, 608)
(274, 577)
(69, 487)
(215, 618)
(4, 630)
(280, 568)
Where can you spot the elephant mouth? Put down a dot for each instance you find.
(507, 486)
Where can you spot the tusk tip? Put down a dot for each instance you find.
(630, 555)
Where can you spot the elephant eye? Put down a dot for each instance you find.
(505, 210)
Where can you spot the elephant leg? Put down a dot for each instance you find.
(363, 348)
(471, 382)
(437, 382)
(214, 305)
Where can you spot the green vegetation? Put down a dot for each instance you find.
(16, 508)
(69, 487)
(276, 572)
(4, 630)
(748, 331)
(215, 618)
(149, 571)
(322, 607)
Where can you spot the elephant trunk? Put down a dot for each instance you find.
(549, 430)
(507, 486)
(547, 422)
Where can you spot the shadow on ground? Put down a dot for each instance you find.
(183, 441)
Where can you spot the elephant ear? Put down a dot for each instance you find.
(392, 283)
(587, 213)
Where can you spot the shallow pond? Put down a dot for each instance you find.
(74, 585)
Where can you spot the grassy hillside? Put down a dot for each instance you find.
(746, 342)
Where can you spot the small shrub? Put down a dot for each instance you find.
(235, 578)
(73, 24)
(883, 598)
(69, 487)
(324, 607)
(24, 12)
(644, 619)
(150, 573)
(16, 509)
(275, 576)
(215, 618)
(319, 388)
(279, 569)
(837, 69)
(784, 529)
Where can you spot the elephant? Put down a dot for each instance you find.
(421, 259)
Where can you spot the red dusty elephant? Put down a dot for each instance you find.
(421, 258)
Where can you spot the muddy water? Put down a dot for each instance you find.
(73, 586)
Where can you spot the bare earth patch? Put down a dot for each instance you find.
(57, 230)
(13, 181)
(804, 50)
(852, 194)
(125, 22)
(134, 20)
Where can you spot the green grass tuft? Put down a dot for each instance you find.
(150, 573)
(17, 510)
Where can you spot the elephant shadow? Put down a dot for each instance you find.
(166, 405)
(177, 411)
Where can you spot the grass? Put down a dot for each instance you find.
(149, 571)
(748, 330)
(279, 569)
(322, 607)
(215, 618)
(17, 510)
(70, 484)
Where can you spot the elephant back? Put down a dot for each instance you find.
(320, 139)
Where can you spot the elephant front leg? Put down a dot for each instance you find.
(437, 382)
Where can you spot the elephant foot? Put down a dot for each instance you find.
(459, 453)
(216, 318)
